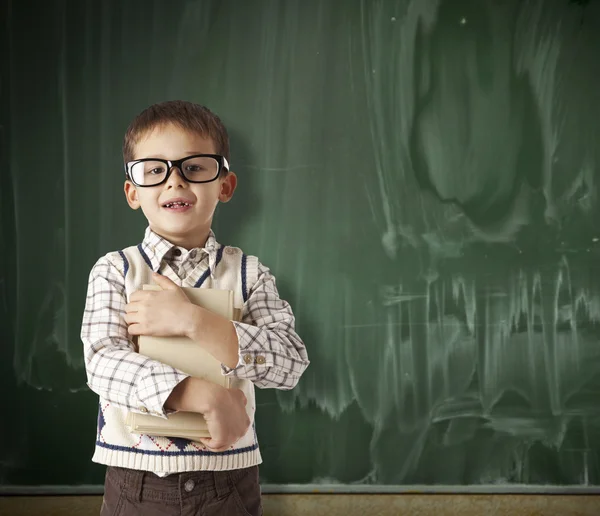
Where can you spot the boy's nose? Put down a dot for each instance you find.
(176, 177)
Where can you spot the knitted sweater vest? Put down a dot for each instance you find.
(116, 446)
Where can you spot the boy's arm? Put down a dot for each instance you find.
(114, 370)
(271, 354)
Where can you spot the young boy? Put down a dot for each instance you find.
(177, 170)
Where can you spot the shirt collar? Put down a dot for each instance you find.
(156, 248)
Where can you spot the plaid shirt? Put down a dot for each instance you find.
(123, 377)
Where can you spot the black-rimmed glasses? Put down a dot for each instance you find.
(199, 168)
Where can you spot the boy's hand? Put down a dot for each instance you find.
(223, 409)
(226, 418)
(162, 313)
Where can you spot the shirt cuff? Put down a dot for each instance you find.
(251, 355)
(154, 389)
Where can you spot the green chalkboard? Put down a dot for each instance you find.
(422, 176)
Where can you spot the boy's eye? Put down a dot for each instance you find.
(155, 170)
(193, 168)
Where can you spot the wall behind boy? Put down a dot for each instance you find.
(421, 176)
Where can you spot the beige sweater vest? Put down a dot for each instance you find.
(116, 446)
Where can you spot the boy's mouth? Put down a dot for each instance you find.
(177, 205)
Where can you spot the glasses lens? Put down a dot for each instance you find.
(148, 173)
(200, 169)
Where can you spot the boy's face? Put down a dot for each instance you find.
(187, 228)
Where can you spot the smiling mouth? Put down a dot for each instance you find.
(177, 204)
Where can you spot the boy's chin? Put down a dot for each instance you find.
(176, 230)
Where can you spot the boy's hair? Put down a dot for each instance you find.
(187, 115)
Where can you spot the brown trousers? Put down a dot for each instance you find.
(129, 492)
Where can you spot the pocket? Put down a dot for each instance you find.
(242, 496)
(237, 500)
(245, 491)
(231, 505)
(112, 508)
(113, 499)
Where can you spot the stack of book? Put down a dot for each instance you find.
(187, 356)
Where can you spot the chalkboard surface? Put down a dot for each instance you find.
(422, 177)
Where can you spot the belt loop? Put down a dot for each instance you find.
(133, 483)
(222, 486)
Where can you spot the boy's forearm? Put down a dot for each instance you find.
(192, 395)
(215, 334)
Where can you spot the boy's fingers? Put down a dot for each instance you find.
(214, 446)
(163, 281)
(135, 329)
(137, 296)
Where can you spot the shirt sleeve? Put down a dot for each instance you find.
(115, 371)
(271, 354)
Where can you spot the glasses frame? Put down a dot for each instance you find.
(171, 164)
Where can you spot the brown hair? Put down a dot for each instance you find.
(187, 115)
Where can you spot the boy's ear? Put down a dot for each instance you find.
(228, 184)
(131, 195)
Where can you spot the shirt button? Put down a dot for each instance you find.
(260, 359)
(189, 485)
(143, 410)
(176, 252)
(248, 359)
(230, 250)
